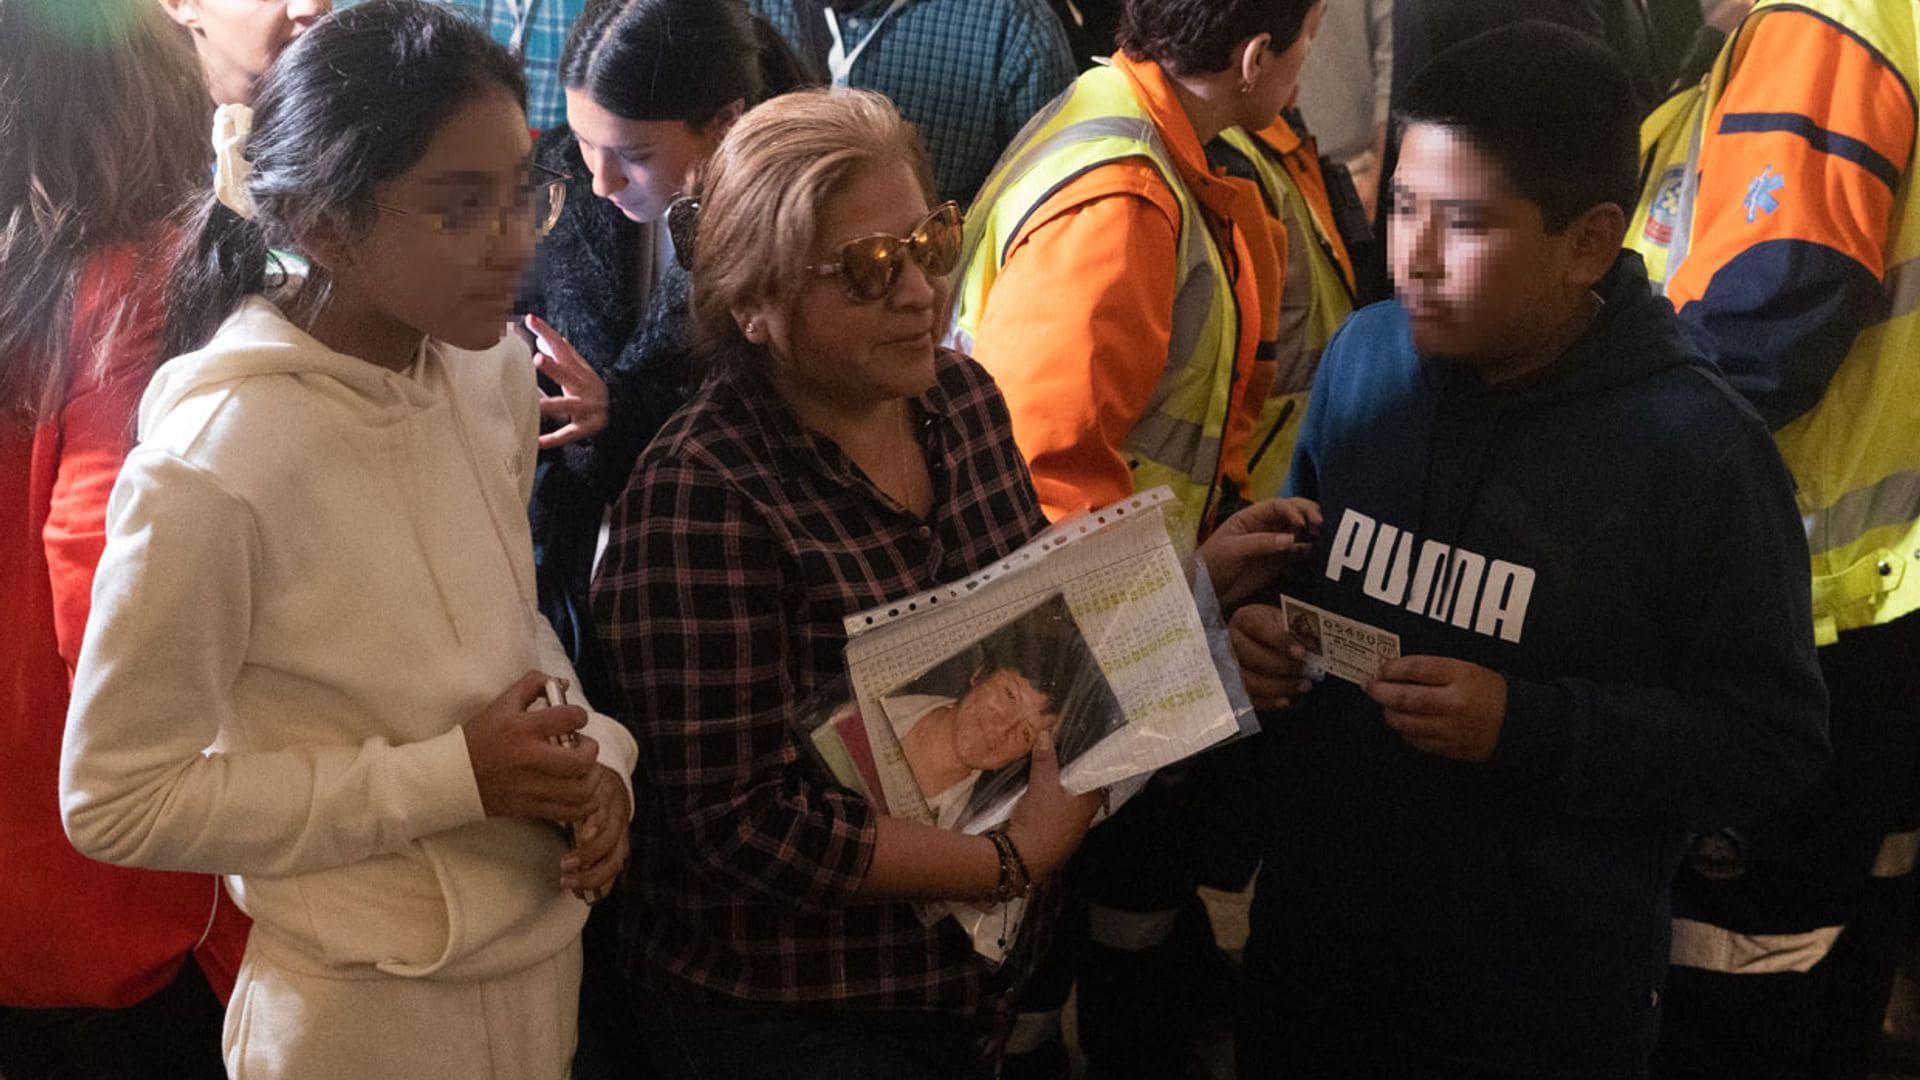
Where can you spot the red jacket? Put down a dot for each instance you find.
(74, 932)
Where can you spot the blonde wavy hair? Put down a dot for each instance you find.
(762, 192)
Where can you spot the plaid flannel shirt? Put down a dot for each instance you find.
(547, 28)
(740, 545)
(967, 73)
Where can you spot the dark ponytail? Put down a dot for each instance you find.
(684, 60)
(222, 261)
(782, 70)
(352, 104)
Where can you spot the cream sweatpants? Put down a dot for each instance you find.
(287, 1025)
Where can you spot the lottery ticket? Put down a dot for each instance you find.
(1336, 645)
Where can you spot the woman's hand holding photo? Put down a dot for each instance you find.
(1048, 823)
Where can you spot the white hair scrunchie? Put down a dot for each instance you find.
(231, 169)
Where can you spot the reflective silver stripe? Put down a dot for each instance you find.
(1893, 501)
(1190, 310)
(1158, 435)
(1898, 853)
(1290, 372)
(1165, 439)
(1903, 289)
(1013, 169)
(1131, 931)
(1307, 364)
(1712, 948)
(1002, 172)
(1033, 1030)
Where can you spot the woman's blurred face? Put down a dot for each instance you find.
(641, 165)
(238, 39)
(1280, 76)
(833, 349)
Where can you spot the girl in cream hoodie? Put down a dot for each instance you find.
(314, 644)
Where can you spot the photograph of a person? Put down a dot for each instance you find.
(1304, 625)
(967, 724)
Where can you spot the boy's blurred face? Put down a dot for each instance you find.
(1482, 280)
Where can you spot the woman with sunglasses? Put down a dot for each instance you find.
(651, 87)
(315, 664)
(836, 459)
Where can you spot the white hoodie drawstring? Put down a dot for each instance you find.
(501, 528)
(413, 517)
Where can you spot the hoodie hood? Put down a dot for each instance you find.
(406, 426)
(258, 339)
(1633, 336)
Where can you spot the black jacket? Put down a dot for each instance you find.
(1619, 540)
(585, 284)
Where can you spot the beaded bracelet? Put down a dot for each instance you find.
(1015, 881)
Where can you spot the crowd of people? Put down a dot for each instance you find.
(443, 443)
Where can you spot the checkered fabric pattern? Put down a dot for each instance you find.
(741, 543)
(967, 73)
(546, 37)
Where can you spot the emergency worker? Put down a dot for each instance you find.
(1314, 200)
(1125, 295)
(1780, 212)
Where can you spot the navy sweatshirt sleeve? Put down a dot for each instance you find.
(1746, 726)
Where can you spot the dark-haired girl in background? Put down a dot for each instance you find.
(651, 87)
(315, 645)
(104, 971)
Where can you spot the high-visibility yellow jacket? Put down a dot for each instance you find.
(1103, 214)
(1316, 298)
(1780, 213)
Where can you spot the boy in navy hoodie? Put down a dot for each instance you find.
(1588, 550)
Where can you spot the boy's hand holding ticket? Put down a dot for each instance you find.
(1339, 646)
(1443, 706)
(1273, 666)
(1439, 705)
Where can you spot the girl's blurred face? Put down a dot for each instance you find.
(455, 232)
(640, 165)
